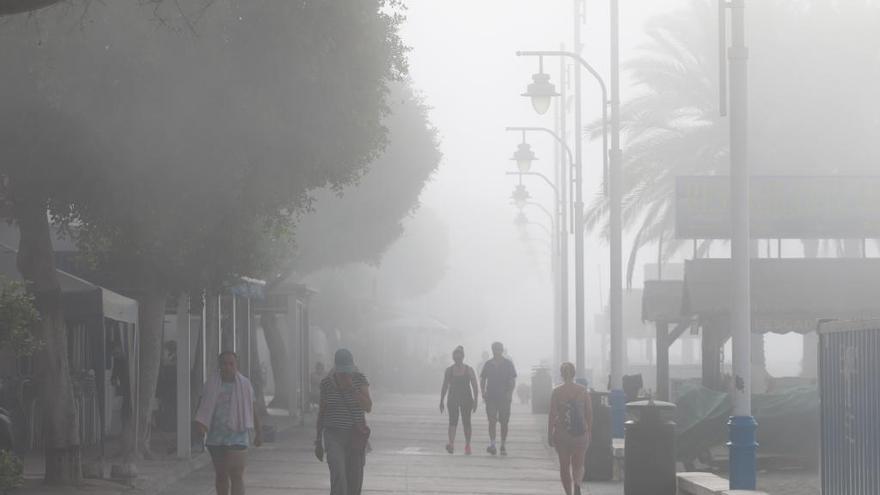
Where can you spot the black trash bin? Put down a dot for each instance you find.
(599, 465)
(650, 450)
(542, 387)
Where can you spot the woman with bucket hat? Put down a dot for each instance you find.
(342, 428)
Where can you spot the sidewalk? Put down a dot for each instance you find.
(154, 476)
(408, 457)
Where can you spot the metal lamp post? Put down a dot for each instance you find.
(614, 189)
(561, 190)
(742, 426)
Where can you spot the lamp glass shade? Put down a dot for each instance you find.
(541, 104)
(541, 91)
(520, 196)
(524, 156)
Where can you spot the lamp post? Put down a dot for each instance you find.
(742, 426)
(561, 190)
(613, 183)
(521, 198)
(580, 317)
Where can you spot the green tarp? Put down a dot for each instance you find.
(788, 421)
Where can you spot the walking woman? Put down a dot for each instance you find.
(460, 391)
(342, 428)
(226, 414)
(568, 428)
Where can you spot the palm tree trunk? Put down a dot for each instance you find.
(36, 263)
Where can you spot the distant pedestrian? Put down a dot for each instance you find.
(342, 427)
(568, 428)
(315, 379)
(227, 415)
(460, 390)
(524, 392)
(498, 381)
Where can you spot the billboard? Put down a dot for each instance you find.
(793, 207)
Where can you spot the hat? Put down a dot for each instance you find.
(344, 361)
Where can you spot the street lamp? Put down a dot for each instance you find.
(560, 189)
(541, 91)
(577, 184)
(520, 196)
(612, 160)
(524, 156)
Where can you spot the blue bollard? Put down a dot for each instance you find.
(618, 413)
(743, 448)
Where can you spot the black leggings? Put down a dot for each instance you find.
(464, 409)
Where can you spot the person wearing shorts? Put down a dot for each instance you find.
(568, 428)
(460, 391)
(498, 381)
(226, 414)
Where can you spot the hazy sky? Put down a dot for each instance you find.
(463, 60)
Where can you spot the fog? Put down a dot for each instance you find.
(182, 179)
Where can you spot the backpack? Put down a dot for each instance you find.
(574, 418)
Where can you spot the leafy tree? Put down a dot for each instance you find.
(11, 472)
(358, 223)
(207, 144)
(45, 152)
(416, 263)
(18, 315)
(812, 110)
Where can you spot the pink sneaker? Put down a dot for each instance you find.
(467, 450)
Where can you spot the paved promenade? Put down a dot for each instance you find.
(409, 436)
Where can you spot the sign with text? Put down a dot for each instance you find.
(794, 207)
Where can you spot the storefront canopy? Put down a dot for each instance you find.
(81, 299)
(788, 295)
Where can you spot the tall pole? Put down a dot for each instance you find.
(618, 399)
(742, 425)
(563, 224)
(558, 314)
(579, 318)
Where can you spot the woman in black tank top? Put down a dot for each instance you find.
(460, 390)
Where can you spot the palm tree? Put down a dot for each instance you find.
(815, 106)
(672, 127)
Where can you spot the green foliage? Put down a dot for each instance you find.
(17, 317)
(358, 223)
(11, 471)
(813, 104)
(195, 144)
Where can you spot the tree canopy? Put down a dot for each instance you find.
(359, 222)
(177, 148)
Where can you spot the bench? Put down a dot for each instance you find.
(707, 484)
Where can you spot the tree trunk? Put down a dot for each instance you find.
(196, 376)
(36, 263)
(278, 358)
(811, 248)
(212, 332)
(151, 315)
(258, 378)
